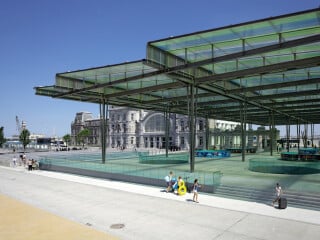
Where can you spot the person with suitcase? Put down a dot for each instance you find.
(278, 195)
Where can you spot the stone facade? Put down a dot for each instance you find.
(131, 128)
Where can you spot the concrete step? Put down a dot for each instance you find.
(296, 199)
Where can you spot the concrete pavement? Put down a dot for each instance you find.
(146, 212)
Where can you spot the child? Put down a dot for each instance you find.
(195, 189)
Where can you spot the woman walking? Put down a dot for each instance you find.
(195, 190)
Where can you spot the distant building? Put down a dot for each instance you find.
(130, 128)
(231, 138)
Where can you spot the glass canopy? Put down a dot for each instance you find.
(265, 68)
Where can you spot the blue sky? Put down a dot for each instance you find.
(40, 38)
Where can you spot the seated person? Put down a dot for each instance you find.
(35, 165)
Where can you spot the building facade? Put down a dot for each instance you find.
(132, 128)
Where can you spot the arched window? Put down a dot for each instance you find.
(155, 124)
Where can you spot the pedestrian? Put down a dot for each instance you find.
(14, 161)
(177, 184)
(24, 159)
(278, 192)
(168, 180)
(195, 189)
(30, 165)
(35, 165)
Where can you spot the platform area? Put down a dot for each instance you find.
(234, 171)
(102, 209)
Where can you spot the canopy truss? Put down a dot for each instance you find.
(270, 66)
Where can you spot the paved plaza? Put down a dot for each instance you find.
(51, 205)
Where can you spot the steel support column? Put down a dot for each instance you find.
(103, 130)
(192, 126)
(288, 135)
(167, 128)
(298, 134)
(243, 130)
(207, 129)
(312, 134)
(271, 131)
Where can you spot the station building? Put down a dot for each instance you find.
(135, 128)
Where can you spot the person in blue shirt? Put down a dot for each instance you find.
(169, 180)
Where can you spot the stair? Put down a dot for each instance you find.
(304, 200)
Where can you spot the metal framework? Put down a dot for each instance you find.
(270, 66)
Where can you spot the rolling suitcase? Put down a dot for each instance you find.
(282, 203)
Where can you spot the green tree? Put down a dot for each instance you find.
(24, 138)
(82, 136)
(67, 139)
(2, 139)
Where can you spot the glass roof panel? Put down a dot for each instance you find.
(223, 67)
(261, 41)
(245, 63)
(307, 87)
(291, 89)
(304, 20)
(109, 73)
(308, 54)
(245, 30)
(300, 33)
